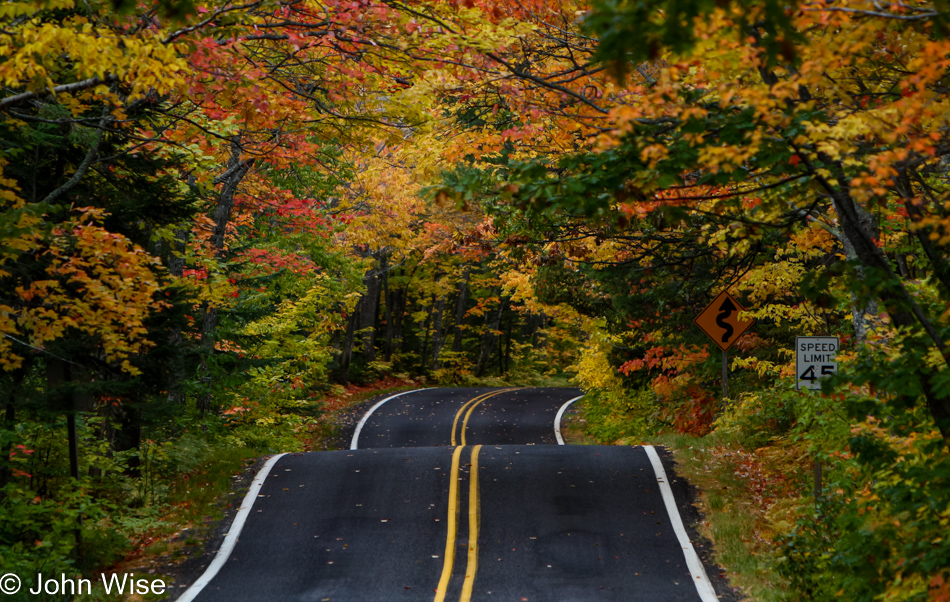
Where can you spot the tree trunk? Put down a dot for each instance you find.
(176, 267)
(461, 306)
(394, 322)
(492, 323)
(221, 216)
(370, 304)
(532, 325)
(900, 306)
(859, 311)
(387, 317)
(506, 364)
(346, 353)
(437, 332)
(425, 340)
(9, 422)
(400, 308)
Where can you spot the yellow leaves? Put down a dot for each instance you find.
(593, 369)
(30, 58)
(18, 224)
(518, 286)
(811, 242)
(98, 283)
(822, 136)
(725, 158)
(386, 200)
(653, 154)
(10, 197)
(773, 286)
(760, 366)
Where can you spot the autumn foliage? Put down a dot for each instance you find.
(213, 216)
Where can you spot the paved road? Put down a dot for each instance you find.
(418, 518)
(522, 416)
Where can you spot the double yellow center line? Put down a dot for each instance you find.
(467, 408)
(473, 520)
(464, 413)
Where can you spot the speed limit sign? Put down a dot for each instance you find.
(814, 358)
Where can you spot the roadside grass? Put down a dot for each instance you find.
(198, 500)
(573, 425)
(196, 495)
(736, 519)
(536, 380)
(326, 433)
(179, 528)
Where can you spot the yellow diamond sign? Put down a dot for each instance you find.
(720, 320)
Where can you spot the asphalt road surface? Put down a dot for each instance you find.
(484, 416)
(461, 495)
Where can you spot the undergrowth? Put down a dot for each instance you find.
(877, 529)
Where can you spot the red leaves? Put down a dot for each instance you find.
(674, 360)
(19, 453)
(269, 261)
(939, 588)
(20, 449)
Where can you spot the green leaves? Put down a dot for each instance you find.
(634, 31)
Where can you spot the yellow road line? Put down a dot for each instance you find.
(467, 408)
(473, 522)
(448, 565)
(471, 409)
(452, 527)
(461, 410)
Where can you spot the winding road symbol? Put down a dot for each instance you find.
(720, 320)
(725, 310)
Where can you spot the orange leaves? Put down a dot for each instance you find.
(939, 588)
(99, 284)
(688, 405)
(675, 360)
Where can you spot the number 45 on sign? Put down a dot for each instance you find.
(814, 358)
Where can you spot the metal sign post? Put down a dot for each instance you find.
(815, 357)
(725, 374)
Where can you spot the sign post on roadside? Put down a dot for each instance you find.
(814, 358)
(720, 321)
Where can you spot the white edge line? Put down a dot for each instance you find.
(359, 427)
(703, 586)
(557, 420)
(230, 540)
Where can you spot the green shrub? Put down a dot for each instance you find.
(881, 530)
(619, 415)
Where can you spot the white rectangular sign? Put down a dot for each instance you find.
(814, 358)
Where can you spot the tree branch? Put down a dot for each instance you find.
(86, 162)
(92, 82)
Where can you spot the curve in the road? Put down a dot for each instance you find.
(544, 522)
(467, 408)
(354, 443)
(560, 415)
(449, 416)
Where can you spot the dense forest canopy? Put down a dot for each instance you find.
(215, 216)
